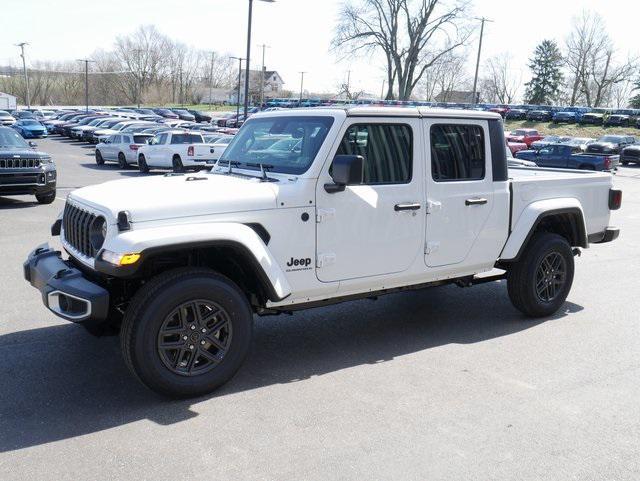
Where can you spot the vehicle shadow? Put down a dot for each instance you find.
(131, 172)
(11, 203)
(59, 382)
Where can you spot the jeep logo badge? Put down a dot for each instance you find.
(299, 264)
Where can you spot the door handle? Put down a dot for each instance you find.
(411, 206)
(476, 201)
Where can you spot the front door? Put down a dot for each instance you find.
(376, 227)
(459, 188)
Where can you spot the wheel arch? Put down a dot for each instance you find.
(566, 221)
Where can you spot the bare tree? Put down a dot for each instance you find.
(621, 94)
(412, 35)
(500, 84)
(445, 76)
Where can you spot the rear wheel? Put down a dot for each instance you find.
(539, 282)
(122, 161)
(624, 162)
(177, 164)
(187, 332)
(99, 159)
(142, 164)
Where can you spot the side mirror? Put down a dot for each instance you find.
(345, 170)
(32, 144)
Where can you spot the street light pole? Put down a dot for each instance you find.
(301, 84)
(264, 47)
(211, 80)
(239, 59)
(246, 80)
(475, 77)
(86, 81)
(24, 69)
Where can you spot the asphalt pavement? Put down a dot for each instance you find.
(440, 384)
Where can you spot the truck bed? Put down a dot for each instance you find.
(591, 189)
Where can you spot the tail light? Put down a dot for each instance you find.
(615, 199)
(134, 146)
(190, 150)
(607, 163)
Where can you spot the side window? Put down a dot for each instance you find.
(163, 139)
(115, 139)
(125, 140)
(457, 152)
(386, 148)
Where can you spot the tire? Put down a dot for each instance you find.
(177, 164)
(159, 306)
(47, 198)
(624, 162)
(524, 276)
(99, 159)
(122, 161)
(142, 164)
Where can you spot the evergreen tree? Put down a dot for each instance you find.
(635, 100)
(546, 65)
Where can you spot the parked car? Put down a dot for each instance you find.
(526, 136)
(539, 115)
(581, 142)
(184, 115)
(331, 222)
(175, 149)
(30, 128)
(6, 118)
(630, 155)
(23, 114)
(166, 113)
(591, 119)
(568, 157)
(103, 134)
(564, 117)
(78, 131)
(24, 170)
(617, 120)
(200, 116)
(89, 134)
(549, 139)
(516, 114)
(610, 144)
(219, 146)
(121, 148)
(148, 114)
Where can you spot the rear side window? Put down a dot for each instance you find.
(457, 152)
(386, 148)
(186, 139)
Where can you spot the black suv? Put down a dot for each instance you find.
(24, 171)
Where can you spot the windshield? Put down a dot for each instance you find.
(519, 132)
(610, 138)
(286, 144)
(9, 138)
(29, 122)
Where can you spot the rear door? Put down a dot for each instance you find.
(459, 187)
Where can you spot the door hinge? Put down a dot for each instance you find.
(324, 260)
(325, 214)
(431, 247)
(433, 206)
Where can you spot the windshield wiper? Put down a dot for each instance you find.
(264, 168)
(230, 163)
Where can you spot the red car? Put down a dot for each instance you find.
(525, 136)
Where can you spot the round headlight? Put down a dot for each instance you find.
(98, 232)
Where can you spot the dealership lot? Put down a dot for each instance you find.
(446, 383)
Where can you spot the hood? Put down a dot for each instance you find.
(32, 127)
(172, 196)
(23, 153)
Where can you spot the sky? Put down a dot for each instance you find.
(298, 32)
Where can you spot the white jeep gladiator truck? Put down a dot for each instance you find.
(176, 149)
(371, 201)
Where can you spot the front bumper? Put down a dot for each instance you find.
(64, 289)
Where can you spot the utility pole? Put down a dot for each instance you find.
(211, 80)
(86, 81)
(246, 80)
(264, 47)
(301, 84)
(239, 59)
(349, 84)
(475, 77)
(138, 77)
(382, 91)
(24, 69)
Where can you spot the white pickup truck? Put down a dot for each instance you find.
(175, 149)
(366, 201)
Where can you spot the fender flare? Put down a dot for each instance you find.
(533, 215)
(155, 240)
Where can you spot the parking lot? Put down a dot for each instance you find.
(445, 383)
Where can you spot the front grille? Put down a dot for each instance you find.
(77, 223)
(14, 163)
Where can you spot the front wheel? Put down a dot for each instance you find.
(47, 198)
(539, 282)
(187, 332)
